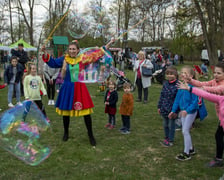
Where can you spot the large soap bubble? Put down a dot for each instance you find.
(78, 25)
(94, 66)
(23, 132)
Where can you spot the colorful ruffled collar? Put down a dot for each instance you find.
(71, 60)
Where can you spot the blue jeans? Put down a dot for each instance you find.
(10, 92)
(169, 128)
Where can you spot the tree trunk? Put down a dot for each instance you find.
(119, 20)
(10, 16)
(28, 24)
(209, 40)
(222, 25)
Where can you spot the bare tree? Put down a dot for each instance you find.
(211, 18)
(28, 19)
(10, 19)
(3, 22)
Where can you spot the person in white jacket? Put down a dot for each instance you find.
(141, 81)
(50, 75)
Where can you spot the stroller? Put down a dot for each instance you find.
(159, 75)
(121, 79)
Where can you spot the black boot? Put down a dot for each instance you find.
(92, 140)
(88, 122)
(66, 121)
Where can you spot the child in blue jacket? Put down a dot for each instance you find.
(187, 105)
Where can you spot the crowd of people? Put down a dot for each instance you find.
(180, 95)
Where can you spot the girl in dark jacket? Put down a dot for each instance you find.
(110, 101)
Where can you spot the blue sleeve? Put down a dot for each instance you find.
(194, 103)
(175, 107)
(56, 63)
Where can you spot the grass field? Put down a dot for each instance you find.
(136, 156)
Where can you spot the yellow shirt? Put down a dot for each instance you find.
(32, 87)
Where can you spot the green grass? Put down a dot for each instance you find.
(136, 156)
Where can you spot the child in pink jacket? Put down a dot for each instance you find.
(215, 86)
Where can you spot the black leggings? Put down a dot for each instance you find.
(140, 87)
(219, 137)
(50, 89)
(112, 119)
(88, 123)
(41, 106)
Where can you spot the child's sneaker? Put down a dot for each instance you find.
(49, 102)
(183, 157)
(48, 120)
(52, 102)
(215, 163)
(111, 127)
(122, 129)
(107, 125)
(19, 103)
(166, 143)
(125, 132)
(192, 152)
(10, 105)
(178, 129)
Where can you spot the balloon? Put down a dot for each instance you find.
(22, 132)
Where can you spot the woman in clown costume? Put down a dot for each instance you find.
(73, 98)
